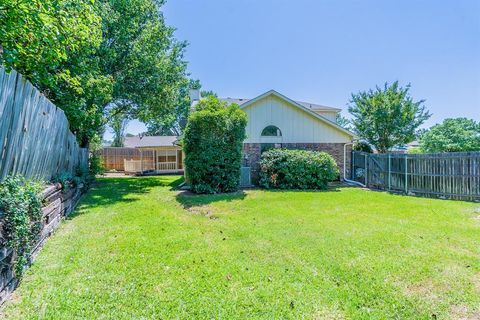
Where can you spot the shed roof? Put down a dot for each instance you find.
(150, 141)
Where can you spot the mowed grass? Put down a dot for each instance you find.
(136, 249)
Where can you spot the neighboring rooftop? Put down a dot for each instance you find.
(312, 106)
(150, 141)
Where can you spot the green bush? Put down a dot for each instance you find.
(362, 146)
(297, 169)
(21, 210)
(213, 146)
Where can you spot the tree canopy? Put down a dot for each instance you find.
(93, 57)
(452, 135)
(386, 117)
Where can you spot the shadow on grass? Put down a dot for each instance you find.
(109, 191)
(189, 199)
(336, 189)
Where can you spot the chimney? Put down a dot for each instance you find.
(194, 95)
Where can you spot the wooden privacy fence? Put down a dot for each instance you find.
(114, 158)
(443, 175)
(35, 140)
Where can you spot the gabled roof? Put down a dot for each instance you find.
(309, 105)
(150, 141)
(299, 105)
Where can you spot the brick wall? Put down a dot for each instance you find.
(252, 152)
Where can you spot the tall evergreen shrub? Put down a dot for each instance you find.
(212, 144)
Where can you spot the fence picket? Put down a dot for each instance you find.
(445, 175)
(35, 139)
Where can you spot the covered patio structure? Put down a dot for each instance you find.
(157, 155)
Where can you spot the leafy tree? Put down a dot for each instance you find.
(141, 55)
(174, 123)
(37, 36)
(452, 135)
(342, 121)
(118, 123)
(53, 43)
(362, 146)
(84, 55)
(208, 93)
(212, 144)
(387, 116)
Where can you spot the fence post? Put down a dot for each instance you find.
(389, 171)
(366, 169)
(406, 175)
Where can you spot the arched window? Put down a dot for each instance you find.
(271, 131)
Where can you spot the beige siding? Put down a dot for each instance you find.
(297, 126)
(330, 115)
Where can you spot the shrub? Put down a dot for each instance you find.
(297, 169)
(213, 146)
(362, 146)
(22, 218)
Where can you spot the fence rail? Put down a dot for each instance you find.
(35, 139)
(444, 175)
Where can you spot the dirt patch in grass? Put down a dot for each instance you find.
(206, 211)
(461, 312)
(476, 282)
(425, 289)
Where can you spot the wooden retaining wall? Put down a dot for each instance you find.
(35, 139)
(454, 175)
(57, 205)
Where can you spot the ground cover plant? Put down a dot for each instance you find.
(138, 249)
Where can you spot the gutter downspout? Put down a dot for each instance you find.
(345, 166)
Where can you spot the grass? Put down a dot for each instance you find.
(136, 249)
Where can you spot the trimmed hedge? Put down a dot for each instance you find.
(213, 146)
(297, 169)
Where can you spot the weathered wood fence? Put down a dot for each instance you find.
(442, 175)
(35, 139)
(114, 158)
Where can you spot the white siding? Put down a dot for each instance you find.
(330, 115)
(297, 126)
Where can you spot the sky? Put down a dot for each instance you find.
(323, 51)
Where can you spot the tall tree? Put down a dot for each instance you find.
(342, 121)
(84, 55)
(141, 55)
(452, 135)
(174, 123)
(118, 123)
(387, 116)
(53, 44)
(38, 36)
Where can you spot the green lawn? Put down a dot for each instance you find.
(136, 249)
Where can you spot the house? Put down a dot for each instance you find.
(276, 121)
(145, 154)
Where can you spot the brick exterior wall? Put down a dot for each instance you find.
(252, 152)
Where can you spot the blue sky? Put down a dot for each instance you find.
(322, 51)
